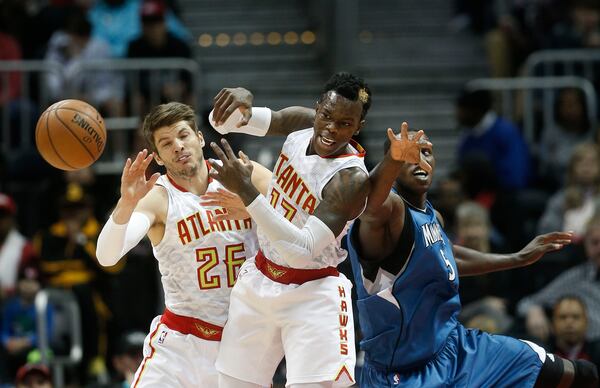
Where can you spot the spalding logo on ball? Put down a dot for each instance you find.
(70, 135)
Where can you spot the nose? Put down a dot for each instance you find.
(178, 144)
(331, 127)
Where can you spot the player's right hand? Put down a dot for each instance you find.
(134, 185)
(230, 99)
(405, 148)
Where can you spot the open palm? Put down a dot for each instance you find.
(134, 185)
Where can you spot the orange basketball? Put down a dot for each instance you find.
(70, 134)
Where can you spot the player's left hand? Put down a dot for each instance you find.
(235, 174)
(231, 202)
(230, 99)
(408, 149)
(543, 244)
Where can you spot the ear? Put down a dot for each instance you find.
(201, 136)
(157, 159)
(360, 126)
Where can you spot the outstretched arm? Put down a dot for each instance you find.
(233, 112)
(471, 262)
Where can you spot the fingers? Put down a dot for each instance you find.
(391, 135)
(220, 106)
(558, 237)
(152, 181)
(228, 150)
(404, 131)
(418, 136)
(244, 157)
(219, 152)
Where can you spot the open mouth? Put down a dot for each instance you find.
(183, 158)
(420, 173)
(328, 142)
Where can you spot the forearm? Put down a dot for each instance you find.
(116, 239)
(296, 246)
(471, 262)
(291, 119)
(382, 179)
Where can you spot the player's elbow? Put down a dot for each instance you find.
(106, 259)
(294, 255)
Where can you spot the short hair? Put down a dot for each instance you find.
(164, 115)
(570, 297)
(351, 87)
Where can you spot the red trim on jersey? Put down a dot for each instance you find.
(193, 326)
(287, 275)
(182, 188)
(344, 369)
(361, 151)
(144, 363)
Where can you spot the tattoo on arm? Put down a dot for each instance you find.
(291, 119)
(343, 198)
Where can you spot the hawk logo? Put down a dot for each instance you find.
(206, 331)
(274, 272)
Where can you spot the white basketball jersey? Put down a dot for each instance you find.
(199, 258)
(296, 190)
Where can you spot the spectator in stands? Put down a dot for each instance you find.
(34, 376)
(67, 256)
(11, 51)
(474, 230)
(129, 356)
(70, 47)
(157, 42)
(491, 139)
(571, 207)
(15, 250)
(569, 328)
(581, 281)
(118, 23)
(581, 30)
(19, 331)
(571, 127)
(448, 195)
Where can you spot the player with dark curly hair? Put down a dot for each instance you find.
(291, 301)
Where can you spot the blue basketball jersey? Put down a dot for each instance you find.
(408, 302)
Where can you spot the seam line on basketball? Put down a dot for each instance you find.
(52, 144)
(75, 136)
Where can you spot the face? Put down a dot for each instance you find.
(35, 380)
(569, 322)
(570, 108)
(154, 31)
(473, 232)
(412, 177)
(467, 117)
(336, 121)
(179, 149)
(592, 244)
(586, 168)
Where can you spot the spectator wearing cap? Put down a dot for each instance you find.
(18, 332)
(128, 356)
(67, 254)
(118, 23)
(15, 249)
(157, 42)
(33, 376)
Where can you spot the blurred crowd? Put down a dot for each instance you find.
(502, 191)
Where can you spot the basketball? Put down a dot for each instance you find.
(70, 135)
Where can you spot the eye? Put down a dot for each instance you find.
(166, 144)
(426, 152)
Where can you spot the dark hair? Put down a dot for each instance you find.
(164, 115)
(351, 87)
(480, 100)
(77, 23)
(581, 98)
(574, 298)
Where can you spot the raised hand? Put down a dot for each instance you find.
(230, 99)
(233, 173)
(134, 185)
(227, 200)
(406, 149)
(543, 244)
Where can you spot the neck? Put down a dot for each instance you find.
(568, 347)
(196, 183)
(415, 199)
